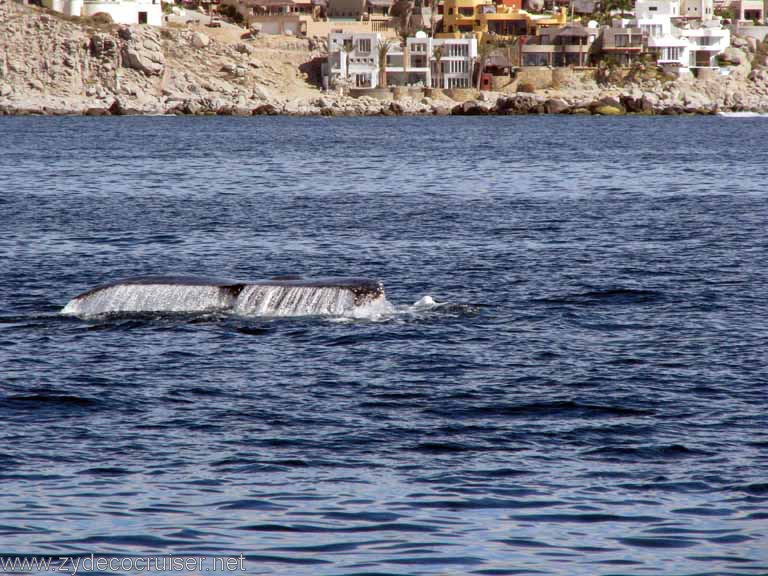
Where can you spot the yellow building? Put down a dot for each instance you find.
(500, 18)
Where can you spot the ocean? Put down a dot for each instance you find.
(587, 395)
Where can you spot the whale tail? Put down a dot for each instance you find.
(281, 296)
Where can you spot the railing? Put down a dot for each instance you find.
(380, 25)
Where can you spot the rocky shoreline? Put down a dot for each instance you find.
(50, 65)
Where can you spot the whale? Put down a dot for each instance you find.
(276, 296)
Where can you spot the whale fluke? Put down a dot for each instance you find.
(281, 296)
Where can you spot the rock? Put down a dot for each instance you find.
(605, 110)
(649, 102)
(5, 90)
(738, 42)
(517, 104)
(396, 108)
(265, 110)
(102, 46)
(243, 48)
(149, 63)
(752, 44)
(125, 33)
(200, 40)
(556, 106)
(632, 103)
(261, 93)
(734, 56)
(469, 108)
(97, 111)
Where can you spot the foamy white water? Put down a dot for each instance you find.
(151, 298)
(743, 114)
(259, 300)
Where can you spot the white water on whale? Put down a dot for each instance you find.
(253, 300)
(151, 298)
(257, 300)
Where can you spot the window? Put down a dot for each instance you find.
(457, 66)
(364, 45)
(652, 29)
(467, 12)
(652, 8)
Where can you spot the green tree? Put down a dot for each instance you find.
(623, 6)
(384, 47)
(484, 50)
(346, 49)
(437, 54)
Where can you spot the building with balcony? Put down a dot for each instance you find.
(623, 44)
(677, 36)
(705, 40)
(279, 16)
(500, 18)
(568, 45)
(747, 10)
(121, 11)
(423, 61)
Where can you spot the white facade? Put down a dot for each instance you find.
(695, 45)
(706, 42)
(355, 56)
(701, 9)
(121, 11)
(657, 9)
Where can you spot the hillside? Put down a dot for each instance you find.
(50, 63)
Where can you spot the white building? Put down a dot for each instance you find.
(701, 9)
(706, 40)
(355, 56)
(679, 39)
(121, 11)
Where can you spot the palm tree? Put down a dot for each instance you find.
(484, 50)
(432, 17)
(610, 5)
(347, 47)
(437, 54)
(384, 47)
(403, 10)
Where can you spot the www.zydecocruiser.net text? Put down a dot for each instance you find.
(120, 564)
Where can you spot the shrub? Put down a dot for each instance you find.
(526, 87)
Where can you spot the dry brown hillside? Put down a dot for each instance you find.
(53, 61)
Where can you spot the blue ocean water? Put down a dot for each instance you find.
(591, 397)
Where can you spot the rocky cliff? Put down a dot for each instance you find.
(50, 64)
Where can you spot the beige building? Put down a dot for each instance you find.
(560, 46)
(750, 10)
(353, 9)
